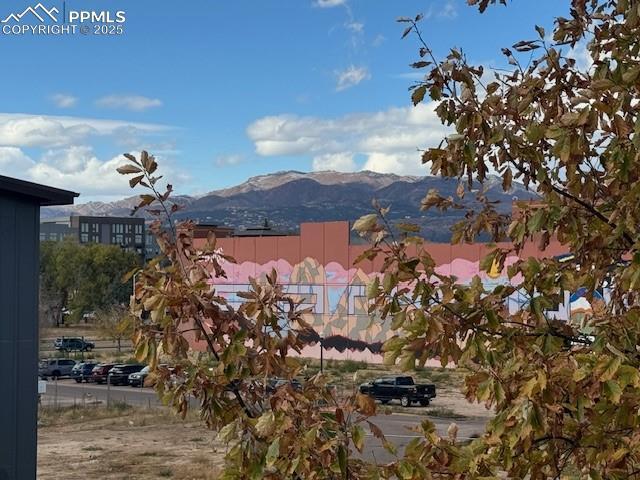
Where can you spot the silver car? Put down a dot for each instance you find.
(55, 367)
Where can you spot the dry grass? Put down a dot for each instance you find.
(76, 330)
(124, 443)
(347, 375)
(450, 402)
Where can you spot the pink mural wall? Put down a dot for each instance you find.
(318, 268)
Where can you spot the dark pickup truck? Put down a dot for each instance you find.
(399, 388)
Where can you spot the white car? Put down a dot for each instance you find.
(55, 367)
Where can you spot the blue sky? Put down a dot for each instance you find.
(224, 90)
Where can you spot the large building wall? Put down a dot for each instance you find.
(318, 267)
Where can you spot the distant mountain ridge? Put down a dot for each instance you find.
(328, 177)
(289, 198)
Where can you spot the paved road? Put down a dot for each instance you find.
(395, 426)
(67, 391)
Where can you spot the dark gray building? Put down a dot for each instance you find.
(126, 232)
(152, 248)
(20, 204)
(55, 229)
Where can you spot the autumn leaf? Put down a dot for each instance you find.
(128, 169)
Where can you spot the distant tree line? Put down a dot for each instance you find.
(76, 280)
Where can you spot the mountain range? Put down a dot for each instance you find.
(289, 198)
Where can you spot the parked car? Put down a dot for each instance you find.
(73, 344)
(274, 384)
(136, 379)
(141, 378)
(399, 388)
(119, 374)
(100, 372)
(82, 371)
(55, 367)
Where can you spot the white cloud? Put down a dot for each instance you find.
(449, 11)
(136, 103)
(75, 168)
(59, 155)
(23, 130)
(355, 27)
(64, 100)
(389, 163)
(78, 169)
(13, 161)
(341, 162)
(68, 160)
(329, 3)
(582, 56)
(40, 132)
(229, 160)
(378, 40)
(415, 75)
(351, 76)
(389, 140)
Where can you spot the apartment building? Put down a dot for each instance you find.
(127, 232)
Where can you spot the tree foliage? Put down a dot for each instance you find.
(83, 278)
(115, 323)
(566, 397)
(290, 434)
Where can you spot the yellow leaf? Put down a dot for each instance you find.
(613, 391)
(273, 452)
(357, 435)
(365, 223)
(610, 369)
(528, 387)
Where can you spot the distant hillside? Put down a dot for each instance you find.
(287, 199)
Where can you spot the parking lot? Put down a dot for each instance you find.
(395, 426)
(67, 391)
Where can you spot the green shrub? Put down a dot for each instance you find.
(350, 366)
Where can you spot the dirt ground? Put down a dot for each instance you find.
(130, 444)
(449, 403)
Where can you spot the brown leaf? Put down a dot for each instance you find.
(128, 169)
(418, 94)
(135, 180)
(366, 404)
(507, 179)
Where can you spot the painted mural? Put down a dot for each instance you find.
(317, 268)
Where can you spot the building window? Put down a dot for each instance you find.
(95, 228)
(127, 229)
(43, 237)
(84, 227)
(53, 236)
(138, 239)
(84, 237)
(138, 229)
